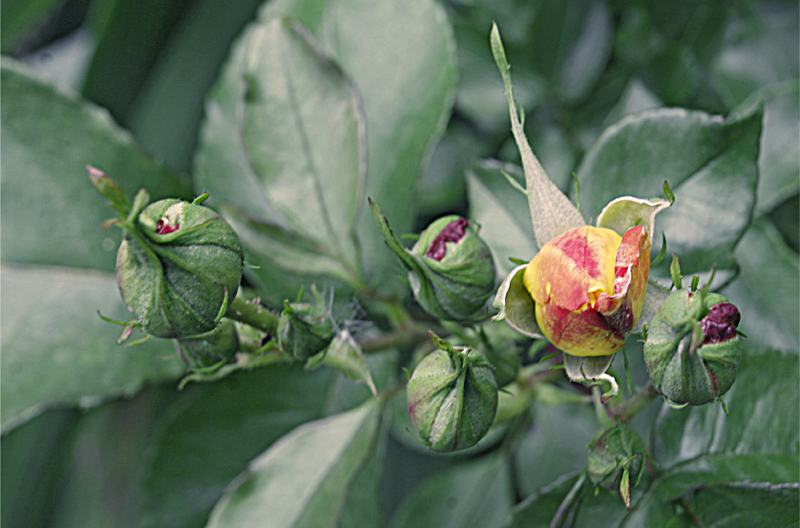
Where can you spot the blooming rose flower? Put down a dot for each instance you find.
(588, 286)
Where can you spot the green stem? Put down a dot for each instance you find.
(629, 409)
(568, 501)
(397, 338)
(600, 409)
(253, 314)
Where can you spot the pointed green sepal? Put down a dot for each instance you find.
(626, 212)
(551, 211)
(111, 190)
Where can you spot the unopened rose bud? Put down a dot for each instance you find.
(588, 286)
(693, 349)
(206, 350)
(452, 398)
(450, 268)
(616, 457)
(178, 266)
(305, 328)
(458, 273)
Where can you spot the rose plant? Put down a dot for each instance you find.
(349, 298)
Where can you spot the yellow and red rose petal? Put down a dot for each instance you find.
(631, 270)
(588, 286)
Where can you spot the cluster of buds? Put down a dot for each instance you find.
(178, 270)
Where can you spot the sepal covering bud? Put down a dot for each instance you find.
(450, 268)
(693, 349)
(452, 397)
(178, 266)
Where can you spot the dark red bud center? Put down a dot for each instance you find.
(163, 227)
(452, 233)
(720, 323)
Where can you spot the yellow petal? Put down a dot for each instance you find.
(574, 269)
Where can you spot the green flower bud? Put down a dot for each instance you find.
(693, 350)
(452, 397)
(615, 457)
(450, 268)
(305, 328)
(207, 350)
(458, 272)
(178, 266)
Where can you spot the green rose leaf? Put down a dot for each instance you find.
(767, 301)
(401, 54)
(74, 360)
(207, 416)
(471, 495)
(20, 17)
(779, 158)
(255, 409)
(304, 478)
(291, 177)
(47, 200)
(748, 504)
(27, 461)
(767, 39)
(710, 163)
(418, 57)
(55, 215)
(571, 427)
(154, 97)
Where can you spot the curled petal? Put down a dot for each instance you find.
(631, 270)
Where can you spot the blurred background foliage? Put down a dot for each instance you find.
(157, 459)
